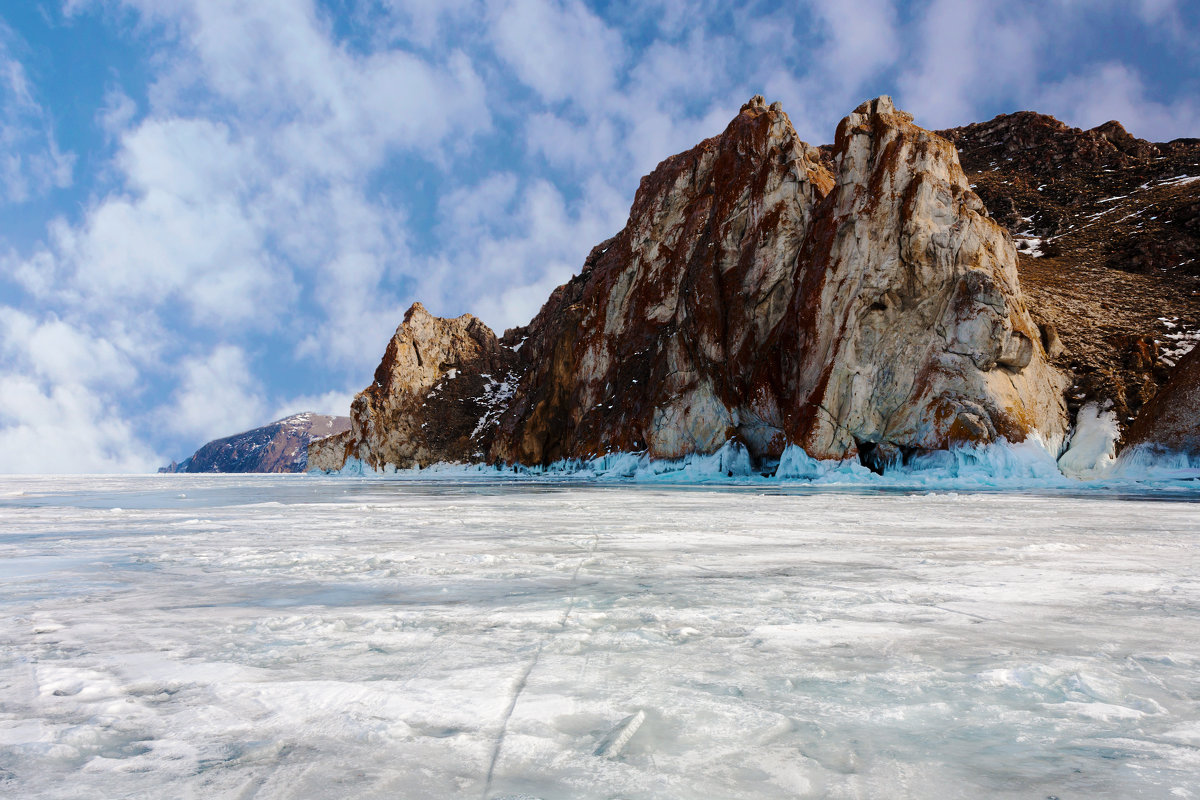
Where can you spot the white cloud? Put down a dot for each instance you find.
(65, 428)
(967, 55)
(218, 395)
(558, 48)
(31, 162)
(247, 179)
(190, 227)
(1115, 91)
(60, 392)
(542, 242)
(57, 352)
(334, 403)
(118, 111)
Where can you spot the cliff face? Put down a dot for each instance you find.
(431, 397)
(281, 446)
(652, 347)
(1107, 228)
(754, 295)
(907, 329)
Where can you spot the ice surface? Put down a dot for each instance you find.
(195, 636)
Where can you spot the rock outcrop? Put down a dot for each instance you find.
(433, 398)
(281, 446)
(1107, 228)
(755, 295)
(1169, 425)
(908, 329)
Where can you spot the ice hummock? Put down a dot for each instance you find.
(1087, 463)
(1092, 448)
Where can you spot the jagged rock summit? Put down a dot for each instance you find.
(429, 402)
(754, 295)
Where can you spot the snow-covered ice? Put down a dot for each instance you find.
(196, 636)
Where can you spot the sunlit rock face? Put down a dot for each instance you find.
(430, 400)
(907, 327)
(652, 346)
(752, 296)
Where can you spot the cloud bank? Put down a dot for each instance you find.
(270, 183)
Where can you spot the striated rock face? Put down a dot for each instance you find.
(431, 397)
(908, 328)
(281, 446)
(1170, 423)
(754, 295)
(653, 345)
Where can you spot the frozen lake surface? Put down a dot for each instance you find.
(299, 637)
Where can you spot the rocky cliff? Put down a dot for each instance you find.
(1169, 425)
(1107, 228)
(865, 306)
(281, 446)
(434, 398)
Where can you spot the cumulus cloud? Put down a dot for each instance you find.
(1115, 91)
(969, 54)
(559, 49)
(334, 403)
(60, 386)
(218, 395)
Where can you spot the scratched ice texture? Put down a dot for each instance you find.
(300, 637)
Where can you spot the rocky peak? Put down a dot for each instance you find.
(425, 348)
(907, 328)
(437, 379)
(281, 446)
(1040, 145)
(676, 305)
(755, 296)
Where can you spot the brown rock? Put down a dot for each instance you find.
(650, 347)
(1170, 422)
(753, 296)
(431, 397)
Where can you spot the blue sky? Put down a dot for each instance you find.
(214, 212)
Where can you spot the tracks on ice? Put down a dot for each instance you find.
(523, 679)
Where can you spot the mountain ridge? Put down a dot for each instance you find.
(279, 446)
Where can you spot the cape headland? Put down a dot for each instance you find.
(857, 300)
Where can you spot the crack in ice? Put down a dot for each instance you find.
(519, 687)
